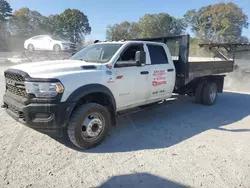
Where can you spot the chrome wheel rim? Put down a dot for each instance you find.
(213, 94)
(93, 126)
(57, 48)
(31, 48)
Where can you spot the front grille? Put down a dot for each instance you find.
(17, 91)
(15, 84)
(14, 76)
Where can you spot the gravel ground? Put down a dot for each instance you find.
(180, 144)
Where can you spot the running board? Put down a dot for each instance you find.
(143, 108)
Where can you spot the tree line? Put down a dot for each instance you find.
(15, 27)
(222, 22)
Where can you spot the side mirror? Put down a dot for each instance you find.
(140, 58)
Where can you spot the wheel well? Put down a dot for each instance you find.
(99, 98)
(30, 44)
(56, 45)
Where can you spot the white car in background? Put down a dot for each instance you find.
(48, 43)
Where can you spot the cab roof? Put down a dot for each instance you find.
(127, 41)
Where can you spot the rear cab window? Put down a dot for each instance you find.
(157, 54)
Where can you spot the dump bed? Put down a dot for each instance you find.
(198, 69)
(203, 67)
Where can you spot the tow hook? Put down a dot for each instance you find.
(4, 106)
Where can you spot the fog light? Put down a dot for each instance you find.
(42, 115)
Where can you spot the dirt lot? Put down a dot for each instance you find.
(180, 144)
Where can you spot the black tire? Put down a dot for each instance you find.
(57, 48)
(198, 93)
(31, 47)
(209, 94)
(75, 127)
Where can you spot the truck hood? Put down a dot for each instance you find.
(49, 69)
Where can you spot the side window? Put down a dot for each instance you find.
(127, 58)
(38, 37)
(129, 53)
(157, 54)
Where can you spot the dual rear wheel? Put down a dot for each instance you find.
(206, 93)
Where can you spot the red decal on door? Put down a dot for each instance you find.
(119, 77)
(159, 75)
(155, 83)
(109, 67)
(159, 78)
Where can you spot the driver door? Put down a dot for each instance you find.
(131, 81)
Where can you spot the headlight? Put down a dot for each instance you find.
(44, 90)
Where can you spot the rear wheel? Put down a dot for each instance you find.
(198, 93)
(57, 48)
(209, 94)
(89, 125)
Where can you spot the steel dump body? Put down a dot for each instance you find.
(206, 68)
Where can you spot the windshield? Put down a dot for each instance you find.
(99, 53)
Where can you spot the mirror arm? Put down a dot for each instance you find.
(138, 64)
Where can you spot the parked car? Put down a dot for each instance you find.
(84, 94)
(48, 43)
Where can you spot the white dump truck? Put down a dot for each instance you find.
(84, 94)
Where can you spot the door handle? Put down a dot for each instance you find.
(144, 72)
(170, 70)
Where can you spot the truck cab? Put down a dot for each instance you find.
(139, 73)
(84, 93)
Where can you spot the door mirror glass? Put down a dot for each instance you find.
(140, 58)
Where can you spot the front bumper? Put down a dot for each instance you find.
(68, 48)
(47, 118)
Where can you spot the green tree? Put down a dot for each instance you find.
(72, 24)
(26, 23)
(221, 22)
(5, 10)
(150, 25)
(158, 25)
(244, 39)
(5, 13)
(124, 30)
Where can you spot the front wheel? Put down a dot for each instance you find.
(89, 125)
(31, 47)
